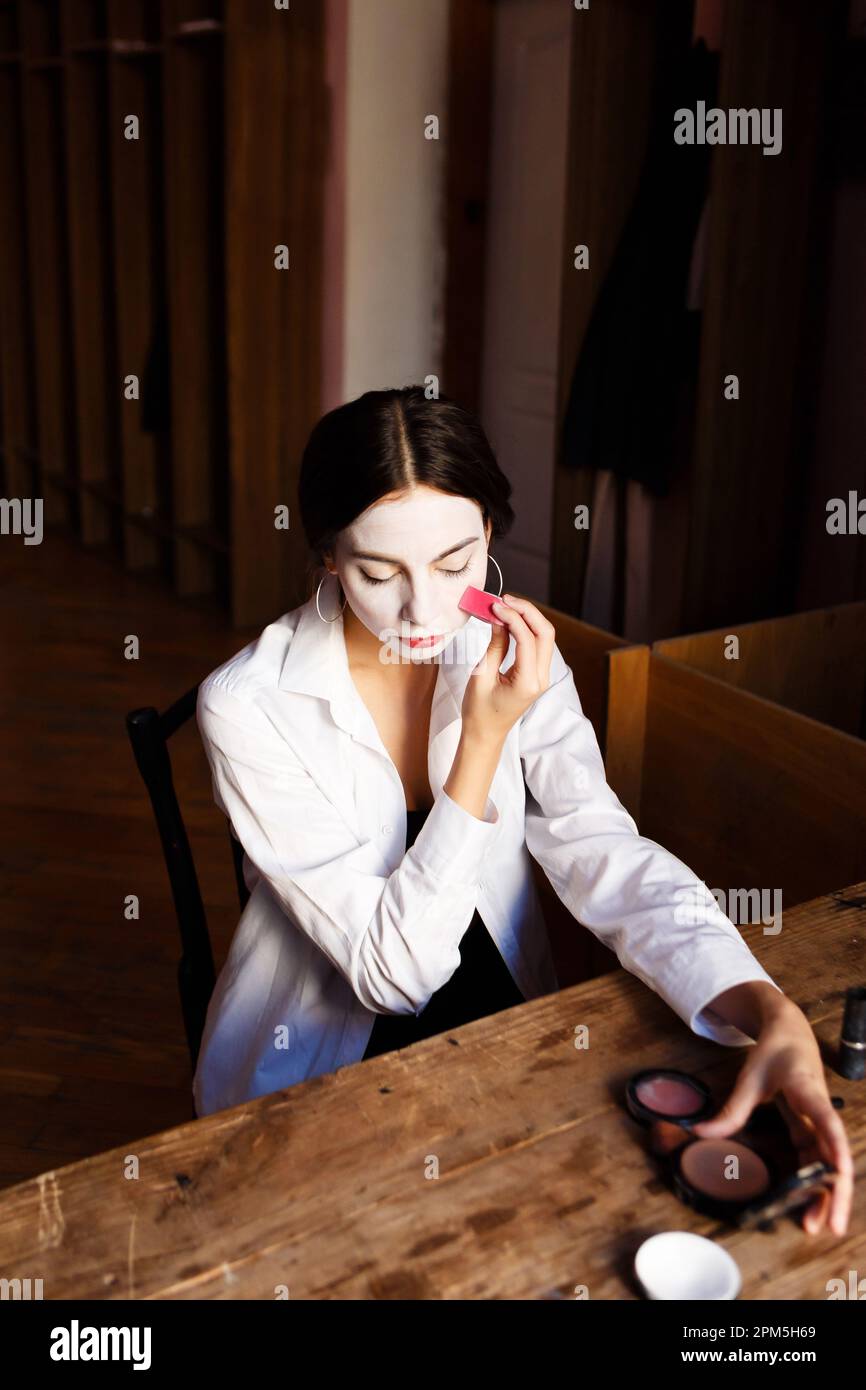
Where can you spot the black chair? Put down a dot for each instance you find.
(149, 732)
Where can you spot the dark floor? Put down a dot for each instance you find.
(93, 1049)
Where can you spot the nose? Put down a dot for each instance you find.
(423, 610)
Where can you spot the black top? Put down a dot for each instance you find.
(480, 985)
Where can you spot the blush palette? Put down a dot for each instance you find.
(745, 1179)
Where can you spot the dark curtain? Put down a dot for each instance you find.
(641, 345)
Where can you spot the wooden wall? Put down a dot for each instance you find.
(154, 258)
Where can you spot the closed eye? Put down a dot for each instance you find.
(370, 580)
(454, 573)
(460, 571)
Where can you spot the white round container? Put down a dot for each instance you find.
(682, 1265)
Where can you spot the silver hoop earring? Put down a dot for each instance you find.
(318, 609)
(496, 563)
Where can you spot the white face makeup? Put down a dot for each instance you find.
(412, 590)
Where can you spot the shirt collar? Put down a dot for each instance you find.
(316, 663)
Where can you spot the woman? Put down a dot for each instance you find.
(389, 764)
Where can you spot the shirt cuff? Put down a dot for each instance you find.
(452, 843)
(707, 1024)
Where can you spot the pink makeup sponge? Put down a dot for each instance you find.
(477, 602)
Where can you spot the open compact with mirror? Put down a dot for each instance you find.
(748, 1178)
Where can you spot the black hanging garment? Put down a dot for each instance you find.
(481, 985)
(642, 340)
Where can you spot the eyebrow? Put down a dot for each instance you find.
(389, 559)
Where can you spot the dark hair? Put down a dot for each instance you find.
(386, 441)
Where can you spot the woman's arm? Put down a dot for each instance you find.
(748, 1006)
(475, 762)
(645, 904)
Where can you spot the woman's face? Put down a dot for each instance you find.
(404, 565)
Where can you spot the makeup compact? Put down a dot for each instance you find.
(661, 1094)
(746, 1179)
(477, 602)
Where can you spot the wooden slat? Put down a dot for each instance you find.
(91, 289)
(194, 143)
(275, 158)
(136, 204)
(543, 1179)
(628, 681)
(46, 217)
(467, 174)
(17, 405)
(812, 662)
(747, 793)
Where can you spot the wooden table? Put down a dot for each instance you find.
(544, 1184)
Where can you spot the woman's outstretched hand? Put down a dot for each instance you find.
(494, 700)
(785, 1065)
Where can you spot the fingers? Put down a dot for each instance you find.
(487, 666)
(525, 664)
(801, 1131)
(747, 1093)
(542, 630)
(805, 1141)
(816, 1132)
(815, 1214)
(815, 1126)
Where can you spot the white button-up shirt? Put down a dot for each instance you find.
(344, 922)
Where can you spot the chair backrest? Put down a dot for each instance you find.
(149, 732)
